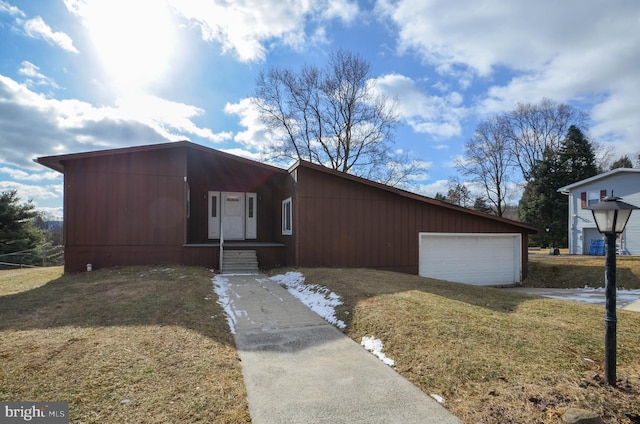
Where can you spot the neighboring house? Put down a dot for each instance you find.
(584, 237)
(179, 203)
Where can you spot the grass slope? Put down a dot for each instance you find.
(150, 345)
(130, 345)
(495, 356)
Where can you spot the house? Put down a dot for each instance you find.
(182, 203)
(584, 237)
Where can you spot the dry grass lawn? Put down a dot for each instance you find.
(567, 271)
(495, 356)
(151, 345)
(129, 345)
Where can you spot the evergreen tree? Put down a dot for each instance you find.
(577, 157)
(17, 233)
(480, 204)
(541, 204)
(623, 162)
(441, 197)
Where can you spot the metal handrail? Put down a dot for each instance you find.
(221, 243)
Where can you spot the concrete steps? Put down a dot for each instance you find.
(239, 262)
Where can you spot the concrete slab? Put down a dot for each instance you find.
(300, 369)
(625, 299)
(634, 306)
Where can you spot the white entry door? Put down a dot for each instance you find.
(232, 205)
(233, 213)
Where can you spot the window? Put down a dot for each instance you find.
(591, 198)
(188, 201)
(592, 202)
(251, 225)
(214, 206)
(286, 217)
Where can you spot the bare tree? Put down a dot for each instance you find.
(333, 117)
(488, 161)
(516, 141)
(534, 129)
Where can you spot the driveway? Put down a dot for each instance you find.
(625, 299)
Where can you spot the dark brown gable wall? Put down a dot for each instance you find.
(211, 172)
(125, 209)
(340, 222)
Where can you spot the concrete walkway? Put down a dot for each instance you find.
(300, 369)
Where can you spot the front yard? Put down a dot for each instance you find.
(130, 345)
(151, 345)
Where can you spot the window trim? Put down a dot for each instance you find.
(287, 217)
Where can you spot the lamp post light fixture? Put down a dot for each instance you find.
(611, 216)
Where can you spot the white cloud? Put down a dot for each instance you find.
(38, 28)
(438, 116)
(34, 77)
(36, 193)
(11, 10)
(18, 174)
(586, 53)
(41, 196)
(161, 114)
(339, 9)
(430, 190)
(519, 35)
(244, 27)
(34, 125)
(256, 136)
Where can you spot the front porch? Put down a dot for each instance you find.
(234, 205)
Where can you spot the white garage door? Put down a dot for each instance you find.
(479, 259)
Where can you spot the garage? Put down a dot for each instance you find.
(474, 258)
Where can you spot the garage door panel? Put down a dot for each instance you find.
(480, 259)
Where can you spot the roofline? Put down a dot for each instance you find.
(410, 195)
(566, 189)
(56, 162)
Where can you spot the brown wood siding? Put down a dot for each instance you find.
(128, 207)
(345, 223)
(125, 209)
(209, 172)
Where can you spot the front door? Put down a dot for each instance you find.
(234, 214)
(232, 205)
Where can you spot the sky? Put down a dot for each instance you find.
(84, 75)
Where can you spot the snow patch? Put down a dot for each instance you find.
(319, 299)
(221, 289)
(438, 398)
(375, 346)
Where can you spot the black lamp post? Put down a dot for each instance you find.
(611, 216)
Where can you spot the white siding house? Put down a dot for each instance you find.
(625, 183)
